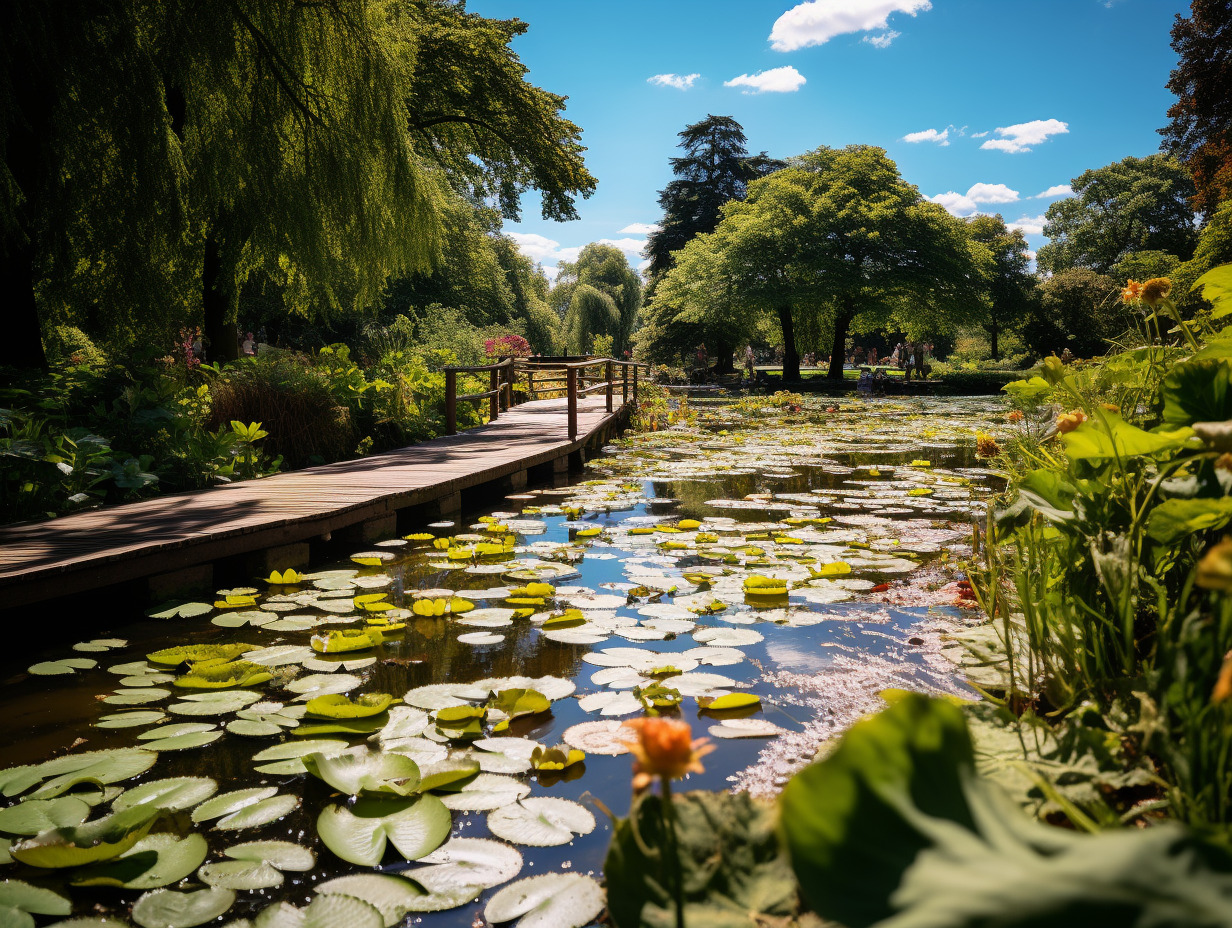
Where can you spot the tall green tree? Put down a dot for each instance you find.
(603, 268)
(715, 168)
(1077, 309)
(1010, 283)
(1137, 204)
(1199, 130)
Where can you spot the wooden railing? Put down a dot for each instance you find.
(570, 377)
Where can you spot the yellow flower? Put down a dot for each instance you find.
(1155, 289)
(1215, 568)
(1131, 292)
(1068, 421)
(1223, 686)
(665, 748)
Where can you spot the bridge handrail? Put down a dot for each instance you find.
(503, 373)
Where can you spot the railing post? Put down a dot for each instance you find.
(494, 399)
(451, 402)
(608, 370)
(530, 383)
(624, 384)
(571, 378)
(511, 375)
(635, 385)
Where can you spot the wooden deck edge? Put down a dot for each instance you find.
(25, 587)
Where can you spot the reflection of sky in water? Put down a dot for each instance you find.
(39, 717)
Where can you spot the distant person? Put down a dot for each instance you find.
(249, 346)
(748, 362)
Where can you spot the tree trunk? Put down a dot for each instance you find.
(222, 343)
(791, 357)
(993, 331)
(22, 345)
(838, 350)
(723, 359)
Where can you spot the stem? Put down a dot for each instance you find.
(669, 831)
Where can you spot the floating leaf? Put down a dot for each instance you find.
(57, 668)
(744, 728)
(395, 896)
(37, 815)
(168, 908)
(730, 701)
(551, 900)
(174, 794)
(227, 803)
(610, 738)
(19, 900)
(240, 874)
(357, 771)
(154, 861)
(73, 846)
(335, 706)
(131, 719)
(358, 833)
(196, 653)
(486, 792)
(344, 640)
(758, 585)
(541, 822)
(258, 813)
(449, 774)
(221, 702)
(285, 855)
(476, 862)
(183, 611)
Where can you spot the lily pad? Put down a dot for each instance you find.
(174, 794)
(358, 834)
(357, 770)
(167, 908)
(258, 814)
(37, 815)
(329, 910)
(285, 855)
(551, 900)
(66, 666)
(541, 821)
(396, 897)
(609, 738)
(154, 861)
(240, 874)
(467, 862)
(486, 792)
(220, 702)
(20, 900)
(195, 653)
(88, 843)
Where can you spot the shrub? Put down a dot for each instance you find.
(293, 402)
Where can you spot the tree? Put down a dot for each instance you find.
(1011, 282)
(591, 313)
(1199, 131)
(530, 288)
(715, 168)
(1138, 204)
(605, 269)
(1214, 248)
(1077, 309)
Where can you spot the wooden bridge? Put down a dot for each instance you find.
(172, 542)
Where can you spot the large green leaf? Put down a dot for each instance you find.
(396, 897)
(167, 908)
(101, 839)
(1216, 287)
(19, 900)
(358, 834)
(155, 860)
(1198, 391)
(195, 653)
(358, 770)
(331, 910)
(1109, 436)
(550, 900)
(1173, 519)
(895, 828)
(735, 874)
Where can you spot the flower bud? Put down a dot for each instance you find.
(1215, 568)
(1054, 369)
(1068, 421)
(1155, 290)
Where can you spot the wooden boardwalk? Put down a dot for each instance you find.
(71, 554)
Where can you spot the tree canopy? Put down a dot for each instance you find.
(1010, 283)
(715, 168)
(1199, 131)
(1137, 204)
(601, 269)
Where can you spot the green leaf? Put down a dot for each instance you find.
(728, 701)
(331, 910)
(519, 702)
(336, 706)
(1198, 391)
(101, 839)
(285, 855)
(196, 653)
(35, 815)
(33, 900)
(478, 862)
(551, 900)
(358, 834)
(397, 897)
(1113, 438)
(155, 860)
(225, 675)
(1173, 519)
(240, 874)
(541, 821)
(895, 819)
(167, 908)
(1216, 287)
(448, 774)
(357, 770)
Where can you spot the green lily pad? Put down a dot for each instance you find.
(184, 742)
(258, 814)
(220, 702)
(449, 774)
(336, 706)
(61, 774)
(227, 803)
(88, 843)
(65, 666)
(37, 815)
(195, 653)
(240, 874)
(136, 696)
(154, 861)
(467, 862)
(285, 855)
(287, 759)
(551, 900)
(358, 771)
(174, 794)
(183, 611)
(131, 719)
(20, 900)
(358, 834)
(330, 910)
(224, 676)
(486, 792)
(541, 821)
(167, 908)
(397, 897)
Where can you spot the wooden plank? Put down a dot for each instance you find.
(91, 549)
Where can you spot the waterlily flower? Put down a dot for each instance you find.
(1068, 421)
(1155, 290)
(665, 748)
(1215, 568)
(1131, 292)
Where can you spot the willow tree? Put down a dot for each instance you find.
(605, 269)
(591, 313)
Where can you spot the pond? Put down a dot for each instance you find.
(790, 563)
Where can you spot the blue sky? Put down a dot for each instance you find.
(984, 104)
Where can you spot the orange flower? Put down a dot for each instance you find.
(986, 446)
(1155, 289)
(1015, 416)
(665, 748)
(1068, 421)
(1223, 686)
(1215, 568)
(1131, 292)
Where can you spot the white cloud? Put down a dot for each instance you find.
(816, 22)
(547, 251)
(776, 80)
(538, 248)
(957, 204)
(640, 228)
(679, 81)
(942, 138)
(1052, 193)
(883, 40)
(632, 247)
(1028, 225)
(1026, 134)
(992, 193)
(978, 135)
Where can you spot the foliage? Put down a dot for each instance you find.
(1136, 204)
(715, 169)
(1199, 130)
(599, 294)
(1078, 310)
(884, 829)
(1214, 248)
(1010, 285)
